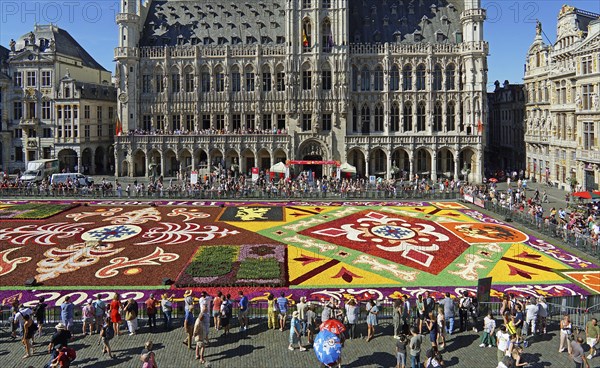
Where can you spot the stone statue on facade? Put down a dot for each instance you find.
(538, 28)
(12, 45)
(31, 38)
(52, 45)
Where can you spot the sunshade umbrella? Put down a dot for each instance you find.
(586, 195)
(328, 347)
(346, 167)
(278, 168)
(333, 325)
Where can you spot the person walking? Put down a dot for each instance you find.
(150, 304)
(441, 325)
(216, 310)
(226, 314)
(372, 320)
(449, 312)
(401, 351)
(40, 315)
(199, 339)
(566, 329)
(295, 332)
(282, 305)
(29, 330)
(301, 308)
(542, 314)
(88, 314)
(311, 322)
(243, 312)
(531, 316)
(131, 316)
(99, 313)
(406, 313)
(415, 348)
(107, 332)
(396, 317)
(148, 356)
(204, 313)
(114, 308)
(464, 307)
(272, 312)
(592, 333)
(487, 337)
(578, 355)
(420, 304)
(166, 306)
(188, 326)
(352, 312)
(502, 339)
(432, 327)
(67, 313)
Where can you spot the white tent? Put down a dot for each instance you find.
(346, 167)
(279, 168)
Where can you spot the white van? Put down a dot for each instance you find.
(75, 177)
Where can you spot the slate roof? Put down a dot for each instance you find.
(65, 44)
(380, 21)
(90, 91)
(187, 22)
(4, 62)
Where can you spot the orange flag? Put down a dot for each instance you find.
(119, 127)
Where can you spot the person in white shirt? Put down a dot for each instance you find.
(502, 338)
(542, 314)
(531, 316)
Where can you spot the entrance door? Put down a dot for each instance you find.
(317, 169)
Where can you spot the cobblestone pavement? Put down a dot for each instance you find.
(261, 348)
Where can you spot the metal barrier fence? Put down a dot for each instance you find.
(576, 240)
(369, 194)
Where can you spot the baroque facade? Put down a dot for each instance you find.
(562, 83)
(505, 147)
(44, 119)
(5, 83)
(387, 85)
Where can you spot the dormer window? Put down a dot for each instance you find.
(67, 92)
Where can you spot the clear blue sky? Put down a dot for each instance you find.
(510, 27)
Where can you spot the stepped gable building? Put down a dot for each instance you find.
(505, 148)
(389, 86)
(45, 122)
(562, 83)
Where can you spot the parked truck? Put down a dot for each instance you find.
(38, 170)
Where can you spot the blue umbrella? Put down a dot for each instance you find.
(327, 347)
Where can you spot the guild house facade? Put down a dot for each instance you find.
(390, 86)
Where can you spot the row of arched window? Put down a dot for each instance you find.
(409, 79)
(405, 118)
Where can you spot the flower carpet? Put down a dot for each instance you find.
(313, 249)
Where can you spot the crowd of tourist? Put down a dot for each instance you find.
(510, 333)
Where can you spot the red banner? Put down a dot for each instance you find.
(309, 162)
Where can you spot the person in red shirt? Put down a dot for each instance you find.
(151, 311)
(216, 310)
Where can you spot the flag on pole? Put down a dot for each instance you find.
(119, 127)
(304, 38)
(479, 126)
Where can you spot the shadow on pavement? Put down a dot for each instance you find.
(382, 359)
(459, 342)
(234, 352)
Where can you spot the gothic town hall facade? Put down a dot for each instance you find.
(392, 87)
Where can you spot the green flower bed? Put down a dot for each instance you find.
(252, 268)
(33, 211)
(212, 261)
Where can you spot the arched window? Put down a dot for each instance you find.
(250, 78)
(395, 118)
(205, 79)
(365, 79)
(450, 116)
(306, 35)
(437, 77)
(306, 77)
(378, 79)
(437, 117)
(326, 36)
(394, 78)
(175, 80)
(407, 115)
(378, 118)
(354, 78)
(236, 79)
(219, 79)
(189, 79)
(421, 117)
(421, 77)
(365, 116)
(354, 120)
(407, 78)
(450, 77)
(267, 81)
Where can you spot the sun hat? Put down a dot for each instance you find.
(165, 296)
(295, 314)
(89, 301)
(61, 326)
(187, 293)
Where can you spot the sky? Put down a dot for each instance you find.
(509, 28)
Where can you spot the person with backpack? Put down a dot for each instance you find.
(99, 313)
(88, 313)
(40, 315)
(226, 313)
(464, 308)
(107, 332)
